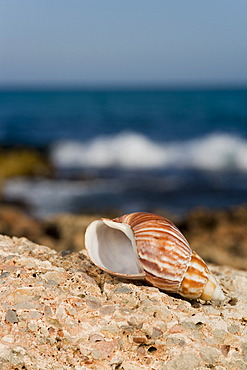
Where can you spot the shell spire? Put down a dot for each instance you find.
(147, 246)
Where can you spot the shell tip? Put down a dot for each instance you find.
(212, 290)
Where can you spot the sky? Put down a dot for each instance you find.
(130, 42)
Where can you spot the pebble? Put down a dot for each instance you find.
(225, 348)
(189, 325)
(123, 289)
(116, 360)
(32, 325)
(210, 355)
(156, 333)
(219, 335)
(4, 274)
(140, 339)
(234, 328)
(244, 351)
(93, 303)
(183, 361)
(34, 314)
(107, 309)
(11, 317)
(171, 341)
(8, 338)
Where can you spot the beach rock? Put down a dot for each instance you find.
(15, 222)
(61, 312)
(66, 231)
(218, 236)
(24, 162)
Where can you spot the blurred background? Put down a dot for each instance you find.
(109, 108)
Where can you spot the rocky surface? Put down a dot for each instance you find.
(58, 311)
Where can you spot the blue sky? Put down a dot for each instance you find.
(97, 42)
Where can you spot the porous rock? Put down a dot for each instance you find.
(58, 311)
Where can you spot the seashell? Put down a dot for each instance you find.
(147, 246)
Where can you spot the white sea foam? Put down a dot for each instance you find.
(48, 197)
(216, 151)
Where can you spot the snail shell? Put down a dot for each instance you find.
(147, 246)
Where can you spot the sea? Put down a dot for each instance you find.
(124, 150)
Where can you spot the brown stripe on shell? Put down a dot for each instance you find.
(166, 246)
(136, 219)
(195, 278)
(161, 231)
(164, 284)
(158, 270)
(159, 228)
(167, 261)
(156, 237)
(161, 253)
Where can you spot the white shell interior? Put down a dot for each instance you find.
(111, 246)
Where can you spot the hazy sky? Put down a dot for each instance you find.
(128, 41)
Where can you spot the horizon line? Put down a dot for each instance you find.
(123, 86)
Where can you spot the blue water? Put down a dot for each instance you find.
(41, 117)
(143, 149)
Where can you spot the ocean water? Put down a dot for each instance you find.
(129, 150)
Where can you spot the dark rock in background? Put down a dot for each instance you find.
(219, 236)
(24, 162)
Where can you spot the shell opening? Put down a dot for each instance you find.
(111, 246)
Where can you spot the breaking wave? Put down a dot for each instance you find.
(128, 150)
